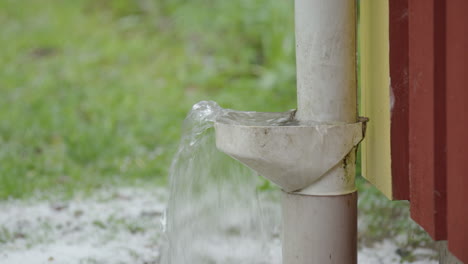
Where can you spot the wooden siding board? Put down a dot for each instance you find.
(399, 84)
(375, 94)
(384, 95)
(457, 127)
(427, 171)
(440, 135)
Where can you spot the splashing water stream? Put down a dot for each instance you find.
(216, 212)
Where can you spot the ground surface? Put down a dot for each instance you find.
(116, 226)
(112, 226)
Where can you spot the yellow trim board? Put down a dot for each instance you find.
(375, 92)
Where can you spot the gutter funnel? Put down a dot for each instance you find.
(293, 157)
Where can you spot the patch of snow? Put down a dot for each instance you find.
(111, 227)
(118, 226)
(385, 252)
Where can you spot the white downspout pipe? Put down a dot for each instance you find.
(313, 162)
(320, 221)
(326, 60)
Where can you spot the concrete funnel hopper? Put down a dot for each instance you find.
(291, 155)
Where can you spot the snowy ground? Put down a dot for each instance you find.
(119, 226)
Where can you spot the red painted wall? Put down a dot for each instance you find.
(457, 127)
(399, 87)
(427, 159)
(438, 120)
(429, 122)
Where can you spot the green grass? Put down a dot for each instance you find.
(94, 92)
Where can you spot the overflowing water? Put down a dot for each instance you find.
(219, 211)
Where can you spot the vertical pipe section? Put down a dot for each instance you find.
(326, 60)
(319, 227)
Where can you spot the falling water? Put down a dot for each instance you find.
(218, 210)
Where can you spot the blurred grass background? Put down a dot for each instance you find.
(93, 92)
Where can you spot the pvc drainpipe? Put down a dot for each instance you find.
(320, 221)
